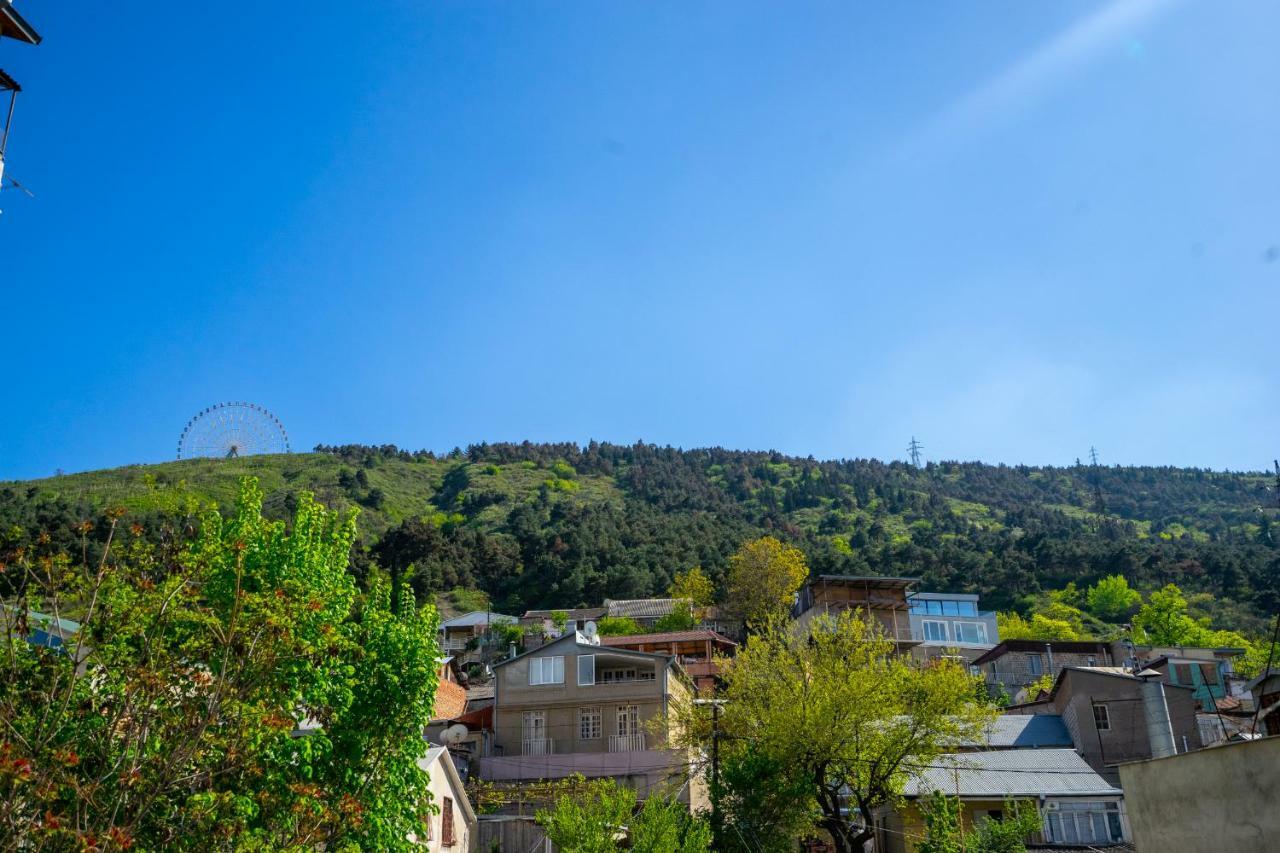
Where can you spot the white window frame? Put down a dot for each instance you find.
(627, 720)
(590, 723)
(1103, 724)
(924, 629)
(548, 669)
(1082, 816)
(590, 660)
(533, 725)
(981, 628)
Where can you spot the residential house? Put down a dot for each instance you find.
(463, 636)
(1104, 709)
(1266, 698)
(950, 625)
(1077, 806)
(1222, 798)
(539, 625)
(1013, 664)
(1205, 670)
(453, 827)
(576, 706)
(697, 651)
(1023, 731)
(881, 599)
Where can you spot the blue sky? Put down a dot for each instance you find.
(1011, 229)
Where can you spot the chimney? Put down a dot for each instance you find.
(1156, 710)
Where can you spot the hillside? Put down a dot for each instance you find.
(538, 525)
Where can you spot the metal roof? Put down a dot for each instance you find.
(478, 617)
(1025, 731)
(1011, 773)
(867, 581)
(13, 26)
(644, 608)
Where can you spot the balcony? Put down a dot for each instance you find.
(627, 743)
(539, 746)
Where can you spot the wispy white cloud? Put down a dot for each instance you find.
(1037, 73)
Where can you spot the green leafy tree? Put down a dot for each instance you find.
(1012, 626)
(1164, 621)
(763, 576)
(559, 620)
(765, 805)
(1112, 598)
(693, 586)
(679, 619)
(942, 816)
(617, 626)
(845, 711)
(171, 719)
(1019, 821)
(602, 813)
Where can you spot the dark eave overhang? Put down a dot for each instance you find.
(14, 26)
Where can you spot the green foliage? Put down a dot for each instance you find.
(197, 661)
(559, 620)
(845, 712)
(942, 815)
(1038, 627)
(564, 471)
(1019, 821)
(679, 619)
(469, 600)
(694, 586)
(595, 818)
(763, 576)
(1043, 684)
(766, 805)
(1112, 599)
(507, 634)
(617, 626)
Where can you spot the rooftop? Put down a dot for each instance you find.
(13, 26)
(1011, 772)
(696, 635)
(477, 617)
(864, 581)
(1068, 646)
(644, 608)
(1025, 731)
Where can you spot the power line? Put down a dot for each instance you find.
(914, 449)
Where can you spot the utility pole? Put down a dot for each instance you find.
(914, 449)
(715, 774)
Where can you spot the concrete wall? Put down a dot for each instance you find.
(1222, 798)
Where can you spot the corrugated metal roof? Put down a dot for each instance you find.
(477, 617)
(644, 608)
(1025, 731)
(1011, 773)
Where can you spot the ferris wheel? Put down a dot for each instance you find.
(230, 430)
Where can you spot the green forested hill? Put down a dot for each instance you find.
(539, 525)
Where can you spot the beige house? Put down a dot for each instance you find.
(574, 706)
(453, 827)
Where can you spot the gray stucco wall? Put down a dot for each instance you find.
(1223, 798)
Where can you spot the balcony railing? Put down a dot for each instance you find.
(539, 746)
(627, 743)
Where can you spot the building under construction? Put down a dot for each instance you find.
(12, 26)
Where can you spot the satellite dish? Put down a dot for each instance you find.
(454, 734)
(589, 629)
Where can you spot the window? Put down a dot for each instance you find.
(934, 630)
(446, 823)
(1182, 674)
(967, 608)
(547, 670)
(970, 632)
(535, 725)
(933, 608)
(1036, 663)
(1101, 718)
(950, 608)
(628, 720)
(917, 607)
(589, 720)
(1082, 822)
(586, 670)
(1209, 673)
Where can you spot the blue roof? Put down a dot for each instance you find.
(1024, 731)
